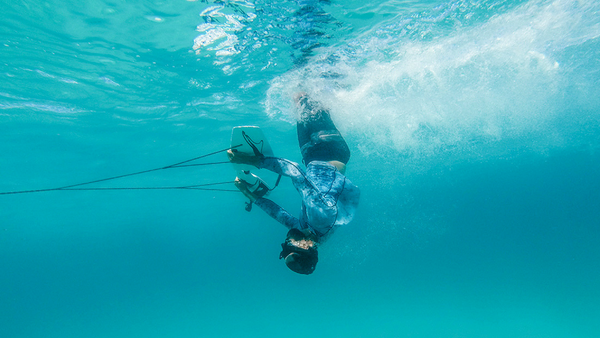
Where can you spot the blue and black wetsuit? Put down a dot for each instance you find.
(329, 199)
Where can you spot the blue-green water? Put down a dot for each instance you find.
(475, 133)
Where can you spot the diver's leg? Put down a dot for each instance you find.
(318, 137)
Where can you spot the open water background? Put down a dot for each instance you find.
(475, 135)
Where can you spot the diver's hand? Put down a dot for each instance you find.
(235, 157)
(243, 187)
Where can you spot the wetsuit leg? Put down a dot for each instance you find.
(318, 137)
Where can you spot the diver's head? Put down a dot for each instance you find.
(300, 251)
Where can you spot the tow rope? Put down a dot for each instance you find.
(183, 164)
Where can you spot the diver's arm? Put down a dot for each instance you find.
(281, 166)
(278, 213)
(277, 165)
(291, 169)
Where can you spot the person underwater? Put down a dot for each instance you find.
(329, 199)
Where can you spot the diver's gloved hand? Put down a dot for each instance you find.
(239, 158)
(244, 188)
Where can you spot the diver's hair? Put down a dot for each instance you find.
(301, 261)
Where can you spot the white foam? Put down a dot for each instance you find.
(496, 81)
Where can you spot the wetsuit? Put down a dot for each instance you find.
(329, 199)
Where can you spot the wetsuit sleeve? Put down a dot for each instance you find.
(278, 213)
(288, 168)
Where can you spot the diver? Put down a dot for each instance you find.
(329, 199)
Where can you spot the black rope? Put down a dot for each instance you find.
(172, 166)
(149, 188)
(189, 187)
(26, 191)
(199, 164)
(207, 184)
(203, 156)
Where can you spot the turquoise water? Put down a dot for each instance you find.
(475, 133)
